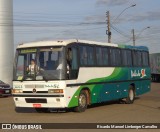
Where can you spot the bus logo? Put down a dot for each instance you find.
(34, 90)
(143, 73)
(138, 73)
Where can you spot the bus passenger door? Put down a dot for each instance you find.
(72, 63)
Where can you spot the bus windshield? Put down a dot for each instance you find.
(40, 64)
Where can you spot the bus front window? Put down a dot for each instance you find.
(40, 64)
(51, 61)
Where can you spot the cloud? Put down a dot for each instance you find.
(149, 16)
(112, 2)
(95, 20)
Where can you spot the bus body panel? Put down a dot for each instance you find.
(116, 85)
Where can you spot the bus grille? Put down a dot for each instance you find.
(30, 100)
(36, 92)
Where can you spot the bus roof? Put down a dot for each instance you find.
(144, 48)
(61, 43)
(69, 41)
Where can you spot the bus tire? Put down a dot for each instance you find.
(42, 110)
(131, 96)
(82, 102)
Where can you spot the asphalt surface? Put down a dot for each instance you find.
(146, 109)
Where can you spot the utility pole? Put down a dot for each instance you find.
(136, 36)
(108, 32)
(134, 39)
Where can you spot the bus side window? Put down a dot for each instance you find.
(112, 57)
(105, 57)
(139, 58)
(129, 58)
(145, 59)
(115, 57)
(99, 56)
(90, 56)
(83, 55)
(126, 57)
(135, 61)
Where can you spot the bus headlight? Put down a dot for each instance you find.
(14, 91)
(55, 91)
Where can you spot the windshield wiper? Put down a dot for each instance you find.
(28, 78)
(45, 78)
(41, 73)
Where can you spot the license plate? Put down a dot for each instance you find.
(6, 91)
(37, 105)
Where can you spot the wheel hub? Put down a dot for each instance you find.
(82, 100)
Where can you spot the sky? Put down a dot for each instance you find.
(36, 20)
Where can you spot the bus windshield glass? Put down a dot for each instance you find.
(40, 64)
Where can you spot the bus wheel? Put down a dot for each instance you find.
(82, 102)
(131, 96)
(42, 110)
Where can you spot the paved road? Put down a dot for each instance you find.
(146, 109)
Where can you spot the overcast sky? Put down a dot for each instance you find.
(86, 19)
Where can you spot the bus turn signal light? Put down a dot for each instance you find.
(14, 91)
(55, 91)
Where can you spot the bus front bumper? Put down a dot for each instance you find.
(40, 102)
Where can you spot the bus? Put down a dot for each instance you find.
(78, 73)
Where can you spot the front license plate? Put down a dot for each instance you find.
(6, 91)
(37, 105)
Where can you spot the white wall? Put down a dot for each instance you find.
(6, 41)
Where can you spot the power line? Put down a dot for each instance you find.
(119, 31)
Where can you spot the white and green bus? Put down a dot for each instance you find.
(78, 73)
